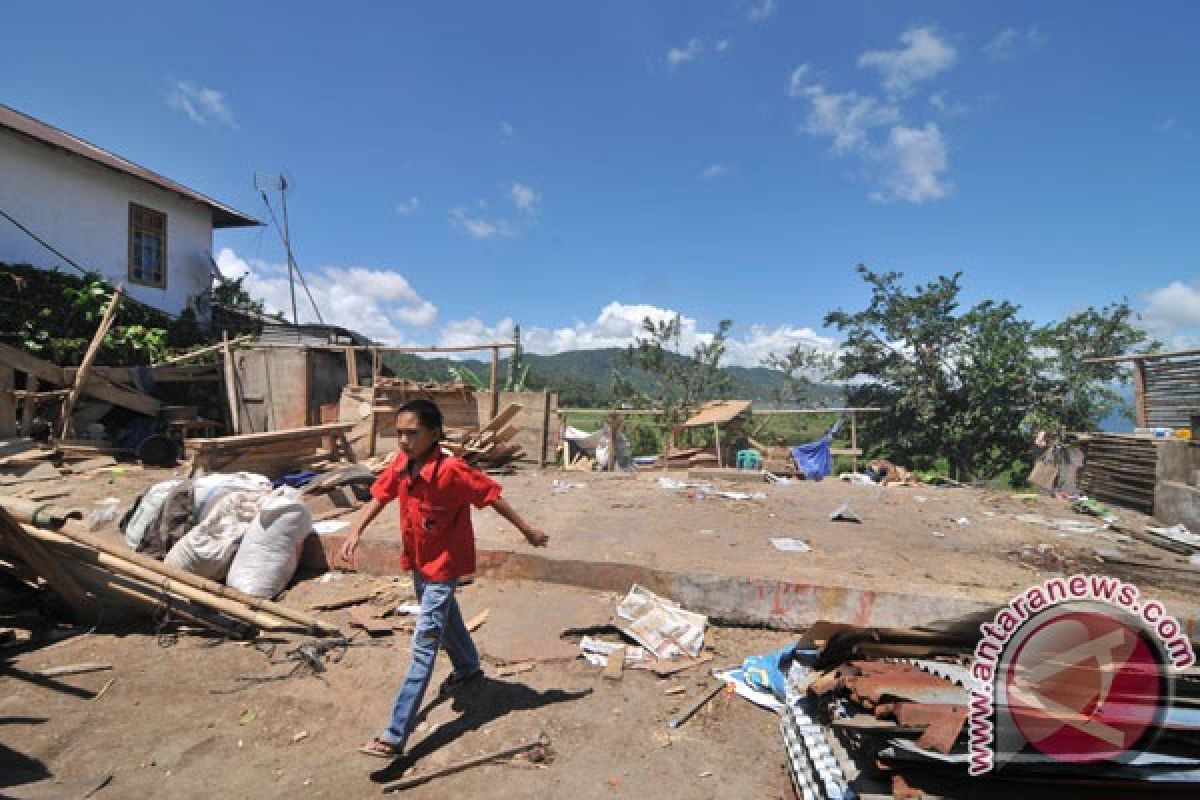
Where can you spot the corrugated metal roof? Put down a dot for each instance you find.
(223, 216)
(718, 411)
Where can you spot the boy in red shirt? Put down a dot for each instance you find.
(435, 492)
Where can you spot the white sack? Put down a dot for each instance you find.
(270, 549)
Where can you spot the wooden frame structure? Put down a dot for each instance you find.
(1166, 386)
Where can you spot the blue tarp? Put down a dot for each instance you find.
(814, 459)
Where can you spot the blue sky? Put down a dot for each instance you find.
(575, 166)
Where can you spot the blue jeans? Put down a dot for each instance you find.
(440, 624)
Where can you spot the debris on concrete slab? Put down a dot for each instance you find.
(844, 513)
(790, 545)
(661, 626)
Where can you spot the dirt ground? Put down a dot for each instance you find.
(180, 720)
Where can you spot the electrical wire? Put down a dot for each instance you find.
(42, 242)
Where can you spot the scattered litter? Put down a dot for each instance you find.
(597, 651)
(963, 521)
(707, 531)
(938, 534)
(771, 477)
(742, 495)
(844, 513)
(106, 511)
(299, 736)
(920, 498)
(476, 622)
(857, 477)
(1176, 533)
(675, 690)
(661, 626)
(789, 545)
(329, 526)
(561, 487)
(509, 670)
(73, 669)
(247, 716)
(409, 608)
(760, 679)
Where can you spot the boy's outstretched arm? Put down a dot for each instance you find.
(532, 535)
(369, 513)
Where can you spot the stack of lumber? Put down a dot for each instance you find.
(1120, 469)
(682, 459)
(490, 445)
(273, 453)
(94, 576)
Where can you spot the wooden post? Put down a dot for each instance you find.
(8, 406)
(351, 366)
(545, 428)
(375, 367)
(88, 359)
(854, 442)
(717, 434)
(29, 407)
(495, 382)
(231, 385)
(1139, 392)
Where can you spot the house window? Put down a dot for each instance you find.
(147, 246)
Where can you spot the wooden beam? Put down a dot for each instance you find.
(203, 351)
(231, 385)
(89, 358)
(495, 382)
(769, 411)
(29, 407)
(1141, 356)
(545, 428)
(44, 563)
(31, 365)
(8, 402)
(1139, 392)
(351, 367)
(271, 437)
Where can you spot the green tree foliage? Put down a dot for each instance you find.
(971, 386)
(681, 382)
(798, 366)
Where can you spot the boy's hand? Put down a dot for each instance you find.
(537, 538)
(348, 548)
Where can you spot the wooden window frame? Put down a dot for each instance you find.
(134, 210)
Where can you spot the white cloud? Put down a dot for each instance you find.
(480, 228)
(1176, 305)
(1011, 43)
(525, 198)
(408, 207)
(915, 163)
(761, 10)
(678, 56)
(507, 130)
(923, 56)
(714, 171)
(947, 106)
(721, 46)
(201, 104)
(619, 324)
(372, 301)
(846, 118)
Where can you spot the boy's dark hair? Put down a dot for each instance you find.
(428, 414)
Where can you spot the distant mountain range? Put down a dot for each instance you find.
(585, 377)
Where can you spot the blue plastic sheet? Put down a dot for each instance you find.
(814, 459)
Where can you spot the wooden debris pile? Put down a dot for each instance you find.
(1121, 469)
(491, 446)
(99, 578)
(272, 453)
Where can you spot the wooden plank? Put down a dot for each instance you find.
(231, 384)
(89, 358)
(615, 665)
(271, 437)
(29, 407)
(126, 398)
(44, 564)
(8, 403)
(495, 384)
(203, 351)
(545, 428)
(32, 365)
(498, 421)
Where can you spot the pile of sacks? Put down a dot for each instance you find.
(234, 528)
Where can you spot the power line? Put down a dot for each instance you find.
(43, 242)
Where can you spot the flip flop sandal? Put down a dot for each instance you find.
(380, 749)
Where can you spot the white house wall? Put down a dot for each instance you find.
(82, 209)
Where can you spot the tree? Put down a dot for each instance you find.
(1076, 394)
(681, 381)
(798, 365)
(972, 387)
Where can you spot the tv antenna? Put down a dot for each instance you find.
(279, 183)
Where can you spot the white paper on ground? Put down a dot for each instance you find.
(661, 626)
(330, 525)
(789, 545)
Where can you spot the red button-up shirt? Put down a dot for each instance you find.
(435, 512)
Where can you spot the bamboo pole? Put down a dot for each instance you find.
(167, 585)
(203, 351)
(161, 570)
(495, 383)
(89, 358)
